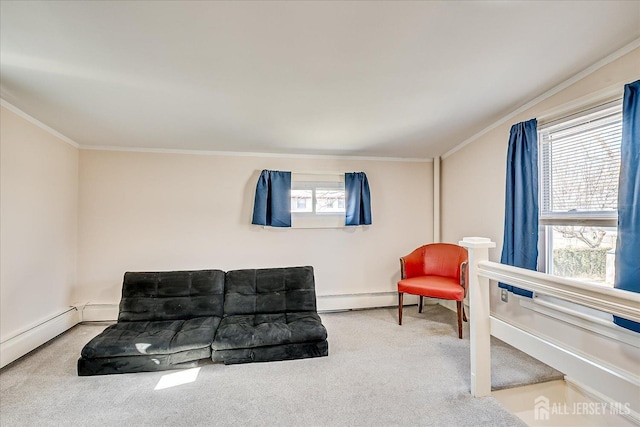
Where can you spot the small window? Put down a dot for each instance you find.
(317, 200)
(579, 170)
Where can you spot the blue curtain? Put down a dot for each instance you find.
(358, 199)
(628, 245)
(520, 244)
(272, 204)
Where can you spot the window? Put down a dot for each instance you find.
(301, 200)
(317, 200)
(579, 169)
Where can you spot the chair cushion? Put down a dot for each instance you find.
(248, 331)
(432, 286)
(148, 338)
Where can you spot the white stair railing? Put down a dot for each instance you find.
(479, 316)
(615, 301)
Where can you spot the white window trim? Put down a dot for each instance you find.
(594, 218)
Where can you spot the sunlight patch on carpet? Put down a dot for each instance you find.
(177, 378)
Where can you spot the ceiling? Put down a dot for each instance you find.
(388, 79)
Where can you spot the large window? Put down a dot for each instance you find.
(579, 169)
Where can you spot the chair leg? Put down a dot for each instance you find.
(420, 305)
(464, 315)
(460, 309)
(400, 308)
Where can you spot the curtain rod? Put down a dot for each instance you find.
(316, 173)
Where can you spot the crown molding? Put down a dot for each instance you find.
(71, 142)
(6, 104)
(254, 154)
(579, 76)
(38, 123)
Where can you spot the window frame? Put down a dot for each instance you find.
(567, 311)
(314, 181)
(546, 220)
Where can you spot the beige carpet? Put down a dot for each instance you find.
(377, 374)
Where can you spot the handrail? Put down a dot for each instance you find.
(615, 301)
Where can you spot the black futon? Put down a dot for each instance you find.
(167, 320)
(269, 314)
(171, 320)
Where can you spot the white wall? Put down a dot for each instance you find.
(473, 185)
(38, 223)
(160, 211)
(473, 178)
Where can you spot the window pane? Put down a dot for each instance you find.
(329, 200)
(580, 163)
(301, 201)
(317, 200)
(582, 252)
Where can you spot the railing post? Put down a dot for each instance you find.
(480, 324)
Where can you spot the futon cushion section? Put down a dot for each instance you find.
(270, 290)
(142, 363)
(152, 338)
(272, 353)
(171, 295)
(249, 331)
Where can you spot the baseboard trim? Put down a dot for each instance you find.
(612, 383)
(362, 300)
(24, 342)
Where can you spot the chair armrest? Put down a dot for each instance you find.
(412, 265)
(463, 276)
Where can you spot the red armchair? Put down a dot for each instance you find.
(438, 270)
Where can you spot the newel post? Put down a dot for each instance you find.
(480, 324)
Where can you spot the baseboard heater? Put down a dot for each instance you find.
(31, 338)
(34, 336)
(361, 300)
